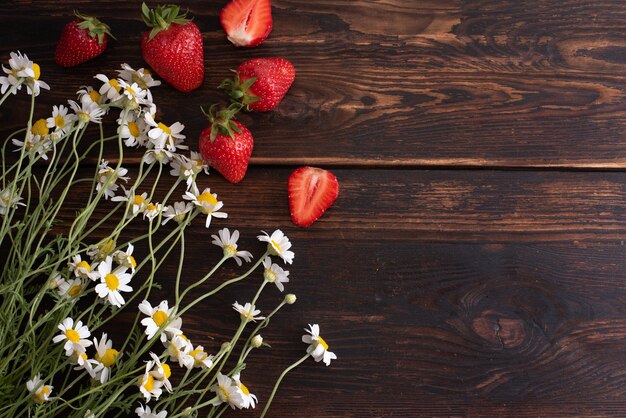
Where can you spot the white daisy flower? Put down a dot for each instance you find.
(33, 83)
(247, 312)
(176, 212)
(83, 362)
(23, 70)
(161, 372)
(142, 76)
(38, 391)
(228, 243)
(110, 88)
(9, 200)
(317, 346)
(87, 111)
(166, 137)
(82, 269)
(274, 273)
(249, 400)
(152, 211)
(72, 288)
(206, 202)
(113, 282)
(148, 385)
(75, 336)
(157, 316)
(101, 251)
(140, 201)
(107, 178)
(278, 244)
(56, 278)
(106, 355)
(133, 94)
(154, 154)
(201, 358)
(146, 412)
(227, 392)
(133, 130)
(87, 93)
(60, 120)
(125, 258)
(179, 349)
(185, 168)
(16, 63)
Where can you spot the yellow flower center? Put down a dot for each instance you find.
(40, 128)
(230, 250)
(74, 290)
(130, 90)
(41, 393)
(112, 281)
(108, 359)
(94, 95)
(72, 335)
(113, 83)
(198, 355)
(133, 128)
(59, 121)
(138, 200)
(167, 371)
(269, 275)
(84, 265)
(149, 385)
(133, 263)
(84, 356)
(146, 71)
(321, 341)
(152, 207)
(224, 394)
(108, 247)
(207, 198)
(36, 70)
(164, 128)
(276, 246)
(159, 318)
(244, 389)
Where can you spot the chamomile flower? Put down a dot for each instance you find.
(110, 88)
(12, 80)
(56, 278)
(106, 355)
(75, 336)
(38, 391)
(185, 168)
(201, 358)
(87, 93)
(81, 268)
(161, 372)
(318, 348)
(113, 282)
(139, 201)
(9, 200)
(107, 178)
(157, 316)
(142, 76)
(176, 212)
(133, 130)
(278, 244)
(228, 243)
(72, 288)
(102, 250)
(206, 202)
(152, 211)
(227, 392)
(23, 70)
(148, 385)
(247, 312)
(179, 349)
(249, 400)
(87, 111)
(132, 94)
(166, 137)
(125, 258)
(146, 412)
(60, 120)
(33, 83)
(274, 273)
(154, 154)
(83, 362)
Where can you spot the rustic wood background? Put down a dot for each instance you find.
(473, 263)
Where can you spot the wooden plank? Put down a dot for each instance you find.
(480, 293)
(446, 83)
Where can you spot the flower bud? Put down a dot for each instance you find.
(257, 341)
(290, 299)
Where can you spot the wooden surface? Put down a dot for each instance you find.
(474, 261)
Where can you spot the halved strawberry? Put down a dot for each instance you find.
(247, 22)
(311, 191)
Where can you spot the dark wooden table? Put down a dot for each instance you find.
(474, 261)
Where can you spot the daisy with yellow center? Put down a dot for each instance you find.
(108, 177)
(178, 212)
(87, 111)
(156, 317)
(201, 358)
(227, 392)
(139, 202)
(248, 400)
(142, 76)
(89, 94)
(318, 348)
(166, 137)
(9, 200)
(33, 83)
(179, 349)
(60, 121)
(132, 94)
(82, 269)
(113, 282)
(38, 391)
(148, 385)
(152, 210)
(161, 372)
(110, 87)
(106, 355)
(247, 312)
(125, 258)
(186, 169)
(74, 335)
(101, 251)
(71, 289)
(274, 273)
(278, 244)
(133, 130)
(228, 243)
(206, 202)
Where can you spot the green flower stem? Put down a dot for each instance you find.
(260, 326)
(280, 379)
(199, 282)
(11, 91)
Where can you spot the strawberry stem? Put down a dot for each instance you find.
(162, 17)
(96, 28)
(222, 119)
(238, 91)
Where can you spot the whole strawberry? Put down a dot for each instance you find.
(261, 83)
(173, 48)
(81, 40)
(226, 145)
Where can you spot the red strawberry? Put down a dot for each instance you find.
(247, 22)
(226, 145)
(81, 40)
(173, 48)
(261, 83)
(311, 191)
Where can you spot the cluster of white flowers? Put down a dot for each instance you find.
(22, 71)
(231, 391)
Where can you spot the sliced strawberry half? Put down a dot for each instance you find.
(247, 22)
(311, 191)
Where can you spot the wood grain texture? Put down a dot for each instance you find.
(475, 83)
